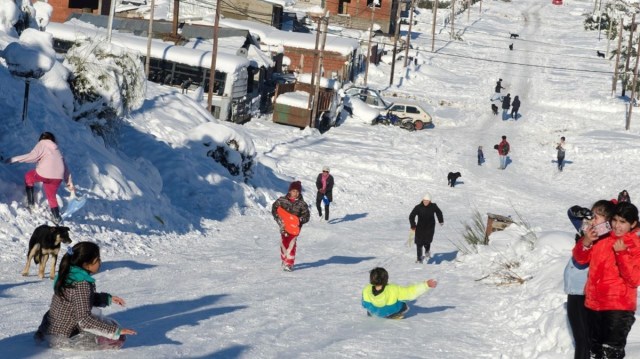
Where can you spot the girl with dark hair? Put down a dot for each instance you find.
(72, 322)
(614, 275)
(50, 169)
(386, 300)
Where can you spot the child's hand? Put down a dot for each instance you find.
(119, 301)
(432, 283)
(619, 245)
(128, 332)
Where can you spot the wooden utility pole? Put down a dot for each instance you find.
(480, 11)
(633, 89)
(453, 16)
(214, 55)
(315, 64)
(395, 43)
(366, 70)
(149, 37)
(468, 9)
(406, 51)
(609, 36)
(615, 69)
(176, 17)
(629, 48)
(316, 90)
(112, 11)
(433, 25)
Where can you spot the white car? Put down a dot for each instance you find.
(414, 111)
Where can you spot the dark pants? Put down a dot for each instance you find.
(319, 197)
(578, 319)
(560, 162)
(609, 330)
(427, 248)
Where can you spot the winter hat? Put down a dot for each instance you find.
(427, 197)
(295, 185)
(325, 169)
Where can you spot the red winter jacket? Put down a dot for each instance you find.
(613, 276)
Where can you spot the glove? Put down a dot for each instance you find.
(413, 228)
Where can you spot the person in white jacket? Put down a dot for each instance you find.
(50, 169)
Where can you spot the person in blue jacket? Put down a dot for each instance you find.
(385, 300)
(575, 275)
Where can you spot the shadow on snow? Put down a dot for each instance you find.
(438, 258)
(332, 260)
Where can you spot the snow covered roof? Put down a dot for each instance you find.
(274, 37)
(324, 82)
(74, 29)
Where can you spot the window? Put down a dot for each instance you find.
(411, 109)
(378, 3)
(397, 108)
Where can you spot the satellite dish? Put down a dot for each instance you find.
(242, 52)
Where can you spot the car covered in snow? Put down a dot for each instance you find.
(414, 111)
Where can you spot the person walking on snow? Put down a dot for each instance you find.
(506, 103)
(425, 226)
(51, 170)
(499, 86)
(560, 146)
(515, 106)
(480, 156)
(324, 184)
(503, 150)
(293, 203)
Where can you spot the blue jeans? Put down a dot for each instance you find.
(503, 161)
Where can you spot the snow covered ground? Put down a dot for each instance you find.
(195, 251)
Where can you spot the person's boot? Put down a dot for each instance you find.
(55, 215)
(31, 201)
(326, 213)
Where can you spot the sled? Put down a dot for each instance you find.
(290, 222)
(75, 203)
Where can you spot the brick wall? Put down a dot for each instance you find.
(359, 15)
(331, 61)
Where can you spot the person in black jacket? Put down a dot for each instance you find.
(425, 227)
(499, 86)
(515, 106)
(506, 103)
(324, 184)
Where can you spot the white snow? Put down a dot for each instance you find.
(298, 99)
(195, 252)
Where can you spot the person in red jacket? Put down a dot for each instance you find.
(614, 276)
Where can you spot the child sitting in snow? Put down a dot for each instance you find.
(388, 300)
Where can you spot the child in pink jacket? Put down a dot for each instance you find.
(50, 169)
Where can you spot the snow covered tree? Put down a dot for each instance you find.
(107, 82)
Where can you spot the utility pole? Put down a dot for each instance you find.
(629, 48)
(314, 70)
(112, 11)
(176, 17)
(615, 69)
(609, 36)
(453, 16)
(406, 51)
(468, 9)
(366, 71)
(599, 19)
(433, 25)
(214, 55)
(633, 89)
(395, 43)
(149, 37)
(480, 11)
(316, 90)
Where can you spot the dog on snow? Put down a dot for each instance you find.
(514, 36)
(494, 108)
(600, 54)
(45, 241)
(452, 177)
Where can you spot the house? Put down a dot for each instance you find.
(357, 13)
(341, 58)
(269, 12)
(62, 9)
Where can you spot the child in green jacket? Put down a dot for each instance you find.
(388, 300)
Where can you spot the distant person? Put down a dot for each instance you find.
(503, 151)
(425, 226)
(624, 196)
(506, 104)
(515, 106)
(324, 184)
(560, 147)
(293, 203)
(51, 170)
(73, 322)
(575, 275)
(480, 156)
(385, 300)
(611, 291)
(499, 86)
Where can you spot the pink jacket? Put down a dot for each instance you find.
(50, 163)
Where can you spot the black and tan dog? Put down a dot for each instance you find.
(45, 241)
(452, 177)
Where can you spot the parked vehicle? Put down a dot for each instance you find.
(369, 96)
(391, 119)
(414, 111)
